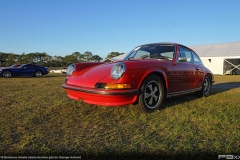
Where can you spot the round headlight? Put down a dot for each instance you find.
(118, 70)
(70, 69)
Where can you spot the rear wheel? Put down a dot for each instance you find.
(151, 94)
(38, 74)
(206, 87)
(7, 74)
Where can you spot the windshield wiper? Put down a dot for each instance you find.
(143, 57)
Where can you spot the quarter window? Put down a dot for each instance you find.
(197, 60)
(184, 52)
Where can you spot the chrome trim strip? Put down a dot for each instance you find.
(183, 92)
(103, 92)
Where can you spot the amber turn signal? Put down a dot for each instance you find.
(117, 86)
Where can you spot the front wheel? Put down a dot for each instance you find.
(151, 94)
(38, 74)
(7, 74)
(206, 87)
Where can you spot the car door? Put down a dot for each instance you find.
(28, 70)
(199, 71)
(183, 71)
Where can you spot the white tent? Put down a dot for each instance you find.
(119, 58)
(223, 58)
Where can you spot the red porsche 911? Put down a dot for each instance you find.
(145, 77)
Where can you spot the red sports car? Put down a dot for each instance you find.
(145, 77)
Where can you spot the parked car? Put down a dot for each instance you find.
(24, 70)
(145, 77)
(64, 70)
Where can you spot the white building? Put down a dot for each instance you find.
(222, 58)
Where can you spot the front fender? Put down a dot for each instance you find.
(156, 71)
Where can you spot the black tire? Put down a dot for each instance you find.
(38, 74)
(151, 94)
(7, 74)
(206, 87)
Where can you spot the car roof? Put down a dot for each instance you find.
(171, 43)
(158, 43)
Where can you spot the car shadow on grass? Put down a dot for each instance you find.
(216, 88)
(222, 87)
(56, 75)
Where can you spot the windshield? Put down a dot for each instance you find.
(12, 66)
(21, 66)
(156, 51)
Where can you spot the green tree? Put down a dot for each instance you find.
(69, 59)
(113, 54)
(96, 58)
(30, 58)
(77, 55)
(58, 61)
(86, 57)
(22, 58)
(11, 59)
(47, 61)
(3, 59)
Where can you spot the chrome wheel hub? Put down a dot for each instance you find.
(7, 74)
(151, 95)
(206, 85)
(38, 74)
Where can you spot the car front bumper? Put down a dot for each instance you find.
(102, 97)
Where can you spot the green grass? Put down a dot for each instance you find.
(37, 118)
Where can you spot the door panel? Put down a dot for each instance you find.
(182, 77)
(199, 76)
(28, 70)
(184, 71)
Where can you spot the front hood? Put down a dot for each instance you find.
(91, 76)
(102, 73)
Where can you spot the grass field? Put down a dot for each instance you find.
(37, 118)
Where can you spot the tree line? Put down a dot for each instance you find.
(43, 59)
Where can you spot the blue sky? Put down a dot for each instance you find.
(61, 27)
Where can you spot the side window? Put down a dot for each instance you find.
(196, 59)
(30, 66)
(184, 52)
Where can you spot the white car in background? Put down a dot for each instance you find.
(64, 70)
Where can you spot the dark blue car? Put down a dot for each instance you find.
(24, 70)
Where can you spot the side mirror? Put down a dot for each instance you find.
(182, 59)
(24, 67)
